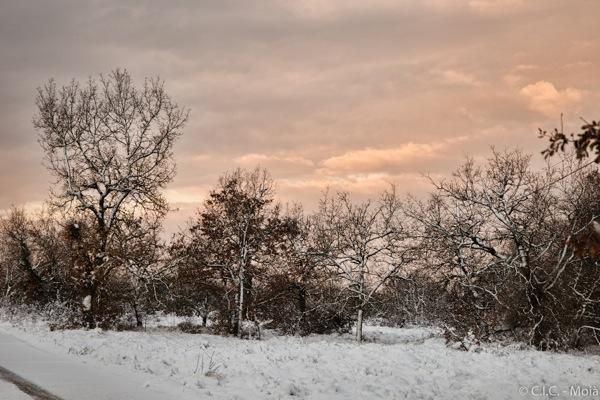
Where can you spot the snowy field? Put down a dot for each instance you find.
(412, 363)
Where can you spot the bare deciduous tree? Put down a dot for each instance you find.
(238, 228)
(500, 238)
(109, 144)
(363, 244)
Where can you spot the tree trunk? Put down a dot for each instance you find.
(359, 325)
(138, 318)
(89, 308)
(90, 300)
(535, 297)
(301, 304)
(37, 289)
(240, 315)
(248, 297)
(301, 297)
(361, 304)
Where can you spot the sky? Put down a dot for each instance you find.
(347, 94)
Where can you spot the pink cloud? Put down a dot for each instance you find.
(257, 158)
(543, 97)
(372, 159)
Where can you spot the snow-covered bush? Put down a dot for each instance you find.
(56, 315)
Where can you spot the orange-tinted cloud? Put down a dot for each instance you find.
(453, 77)
(259, 159)
(348, 94)
(543, 97)
(372, 159)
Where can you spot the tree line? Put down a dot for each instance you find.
(498, 250)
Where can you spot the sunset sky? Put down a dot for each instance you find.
(349, 94)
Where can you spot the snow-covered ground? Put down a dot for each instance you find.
(411, 363)
(10, 391)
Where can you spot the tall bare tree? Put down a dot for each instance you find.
(109, 145)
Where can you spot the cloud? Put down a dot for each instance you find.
(257, 158)
(488, 8)
(201, 157)
(283, 164)
(31, 207)
(494, 7)
(320, 92)
(336, 8)
(543, 97)
(372, 159)
(459, 78)
(186, 195)
(365, 186)
(526, 67)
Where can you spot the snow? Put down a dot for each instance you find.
(411, 363)
(169, 320)
(72, 378)
(87, 303)
(10, 391)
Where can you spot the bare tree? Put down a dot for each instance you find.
(109, 144)
(499, 235)
(238, 228)
(144, 268)
(299, 293)
(363, 244)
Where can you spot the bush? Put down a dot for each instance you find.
(189, 327)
